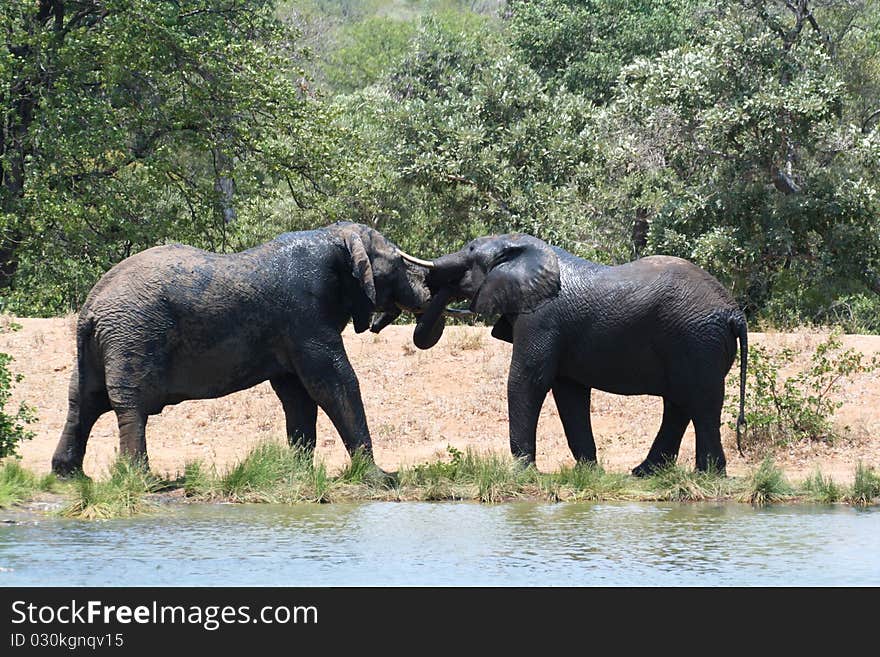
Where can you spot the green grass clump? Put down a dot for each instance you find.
(767, 485)
(866, 486)
(584, 482)
(275, 472)
(822, 489)
(121, 495)
(470, 475)
(18, 484)
(674, 483)
(199, 481)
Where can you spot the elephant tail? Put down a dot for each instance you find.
(741, 331)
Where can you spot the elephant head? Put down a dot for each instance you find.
(500, 275)
(390, 280)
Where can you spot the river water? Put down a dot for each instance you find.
(449, 544)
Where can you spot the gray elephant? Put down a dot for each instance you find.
(174, 323)
(657, 326)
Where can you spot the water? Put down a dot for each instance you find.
(388, 544)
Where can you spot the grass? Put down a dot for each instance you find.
(273, 472)
(470, 475)
(767, 485)
(462, 340)
(673, 483)
(822, 489)
(121, 495)
(866, 486)
(18, 485)
(584, 482)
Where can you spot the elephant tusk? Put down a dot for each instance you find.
(458, 311)
(416, 261)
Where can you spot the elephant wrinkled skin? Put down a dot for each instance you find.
(174, 323)
(656, 326)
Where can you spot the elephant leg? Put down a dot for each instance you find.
(668, 441)
(133, 434)
(300, 411)
(573, 403)
(710, 453)
(330, 380)
(532, 370)
(83, 410)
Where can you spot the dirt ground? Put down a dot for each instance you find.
(417, 403)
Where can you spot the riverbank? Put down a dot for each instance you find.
(418, 403)
(274, 473)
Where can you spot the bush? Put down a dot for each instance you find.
(800, 407)
(12, 425)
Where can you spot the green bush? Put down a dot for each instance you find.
(783, 411)
(12, 425)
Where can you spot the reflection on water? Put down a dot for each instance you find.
(463, 544)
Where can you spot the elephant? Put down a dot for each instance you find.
(175, 323)
(659, 325)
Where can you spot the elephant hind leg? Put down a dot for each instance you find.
(84, 407)
(710, 453)
(132, 434)
(668, 441)
(300, 411)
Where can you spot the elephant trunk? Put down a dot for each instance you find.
(442, 279)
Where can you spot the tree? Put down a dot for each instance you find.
(581, 45)
(739, 145)
(127, 123)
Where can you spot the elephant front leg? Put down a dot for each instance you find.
(573, 403)
(300, 411)
(527, 386)
(330, 380)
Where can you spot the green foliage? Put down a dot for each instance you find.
(367, 50)
(18, 484)
(782, 410)
(123, 494)
(767, 485)
(583, 482)
(13, 426)
(582, 45)
(675, 484)
(271, 472)
(738, 147)
(823, 489)
(132, 123)
(866, 486)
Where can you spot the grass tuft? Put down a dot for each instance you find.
(18, 484)
(767, 485)
(822, 489)
(121, 495)
(673, 483)
(583, 482)
(866, 486)
(272, 472)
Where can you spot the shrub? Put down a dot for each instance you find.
(799, 407)
(12, 425)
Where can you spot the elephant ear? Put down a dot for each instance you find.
(362, 271)
(522, 275)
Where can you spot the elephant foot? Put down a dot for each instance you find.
(719, 469)
(66, 469)
(647, 468)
